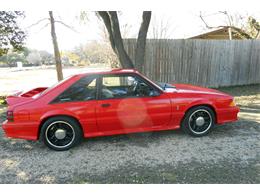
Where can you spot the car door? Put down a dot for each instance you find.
(128, 103)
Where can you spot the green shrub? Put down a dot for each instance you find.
(3, 100)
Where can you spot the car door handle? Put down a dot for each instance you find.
(105, 105)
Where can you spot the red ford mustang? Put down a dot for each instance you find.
(113, 102)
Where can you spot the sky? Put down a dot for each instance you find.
(180, 24)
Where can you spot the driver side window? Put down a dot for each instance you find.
(122, 86)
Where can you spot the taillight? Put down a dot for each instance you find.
(10, 115)
(232, 103)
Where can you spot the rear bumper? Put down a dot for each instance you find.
(227, 115)
(24, 130)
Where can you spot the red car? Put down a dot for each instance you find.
(118, 101)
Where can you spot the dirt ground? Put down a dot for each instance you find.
(229, 154)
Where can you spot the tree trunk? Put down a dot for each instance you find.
(112, 25)
(56, 48)
(141, 40)
(124, 59)
(106, 20)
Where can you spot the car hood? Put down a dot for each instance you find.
(187, 88)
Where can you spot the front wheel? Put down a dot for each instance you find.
(61, 133)
(198, 121)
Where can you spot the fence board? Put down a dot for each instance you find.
(210, 63)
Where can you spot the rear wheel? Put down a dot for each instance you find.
(198, 121)
(61, 133)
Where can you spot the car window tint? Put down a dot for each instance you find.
(82, 90)
(123, 86)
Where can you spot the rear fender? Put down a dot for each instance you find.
(54, 113)
(58, 112)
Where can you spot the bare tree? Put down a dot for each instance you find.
(161, 28)
(111, 22)
(51, 21)
(56, 48)
(125, 29)
(247, 29)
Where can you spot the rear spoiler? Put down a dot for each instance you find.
(23, 96)
(33, 92)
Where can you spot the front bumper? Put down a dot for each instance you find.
(24, 130)
(227, 114)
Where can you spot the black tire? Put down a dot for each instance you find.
(193, 123)
(54, 129)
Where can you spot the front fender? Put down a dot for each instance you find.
(201, 102)
(182, 105)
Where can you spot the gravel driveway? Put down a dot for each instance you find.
(229, 154)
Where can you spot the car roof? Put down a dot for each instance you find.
(108, 71)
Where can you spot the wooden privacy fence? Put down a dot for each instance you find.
(210, 63)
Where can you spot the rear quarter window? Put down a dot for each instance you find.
(82, 90)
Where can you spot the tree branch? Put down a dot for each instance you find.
(69, 27)
(230, 19)
(43, 27)
(206, 24)
(239, 31)
(257, 34)
(38, 22)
